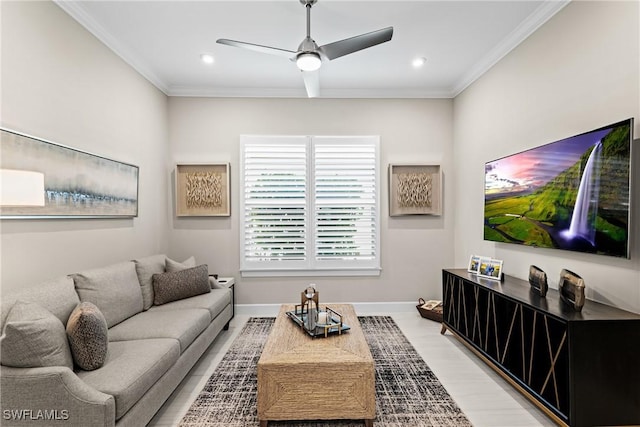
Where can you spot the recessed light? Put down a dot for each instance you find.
(206, 58)
(419, 62)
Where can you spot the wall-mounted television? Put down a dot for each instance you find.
(572, 194)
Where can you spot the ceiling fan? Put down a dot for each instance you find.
(309, 55)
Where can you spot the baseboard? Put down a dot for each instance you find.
(379, 308)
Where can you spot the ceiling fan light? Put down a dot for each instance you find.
(308, 61)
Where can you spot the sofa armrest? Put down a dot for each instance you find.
(214, 283)
(52, 396)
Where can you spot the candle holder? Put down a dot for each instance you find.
(309, 301)
(312, 319)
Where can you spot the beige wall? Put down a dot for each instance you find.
(61, 84)
(578, 72)
(414, 249)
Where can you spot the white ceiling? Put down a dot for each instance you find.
(163, 40)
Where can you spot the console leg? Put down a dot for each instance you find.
(368, 422)
(444, 329)
(263, 423)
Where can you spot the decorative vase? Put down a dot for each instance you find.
(310, 308)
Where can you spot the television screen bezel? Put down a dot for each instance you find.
(630, 200)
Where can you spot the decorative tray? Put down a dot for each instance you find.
(334, 325)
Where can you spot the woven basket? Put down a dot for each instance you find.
(433, 314)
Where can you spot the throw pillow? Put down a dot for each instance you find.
(33, 338)
(87, 332)
(114, 289)
(172, 266)
(181, 284)
(57, 296)
(146, 268)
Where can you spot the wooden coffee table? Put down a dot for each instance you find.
(305, 378)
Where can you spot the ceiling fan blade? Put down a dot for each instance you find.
(312, 83)
(289, 54)
(344, 47)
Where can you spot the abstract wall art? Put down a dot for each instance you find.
(415, 190)
(202, 190)
(42, 179)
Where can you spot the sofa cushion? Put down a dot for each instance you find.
(173, 266)
(131, 368)
(114, 289)
(58, 296)
(33, 337)
(146, 268)
(88, 338)
(182, 325)
(215, 302)
(181, 284)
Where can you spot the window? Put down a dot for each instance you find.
(310, 205)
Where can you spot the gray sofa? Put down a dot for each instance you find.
(150, 347)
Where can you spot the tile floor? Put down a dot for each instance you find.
(486, 399)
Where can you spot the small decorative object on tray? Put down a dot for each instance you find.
(309, 306)
(431, 309)
(314, 320)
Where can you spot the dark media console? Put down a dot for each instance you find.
(580, 368)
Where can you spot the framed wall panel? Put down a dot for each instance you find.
(42, 179)
(202, 190)
(415, 190)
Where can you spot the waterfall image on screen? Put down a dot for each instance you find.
(572, 194)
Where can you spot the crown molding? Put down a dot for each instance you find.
(542, 14)
(77, 12)
(239, 92)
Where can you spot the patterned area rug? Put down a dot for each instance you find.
(408, 394)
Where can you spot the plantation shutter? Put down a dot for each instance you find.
(310, 205)
(345, 177)
(275, 200)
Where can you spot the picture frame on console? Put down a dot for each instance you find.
(202, 190)
(474, 264)
(490, 268)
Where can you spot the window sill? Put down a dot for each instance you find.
(311, 273)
